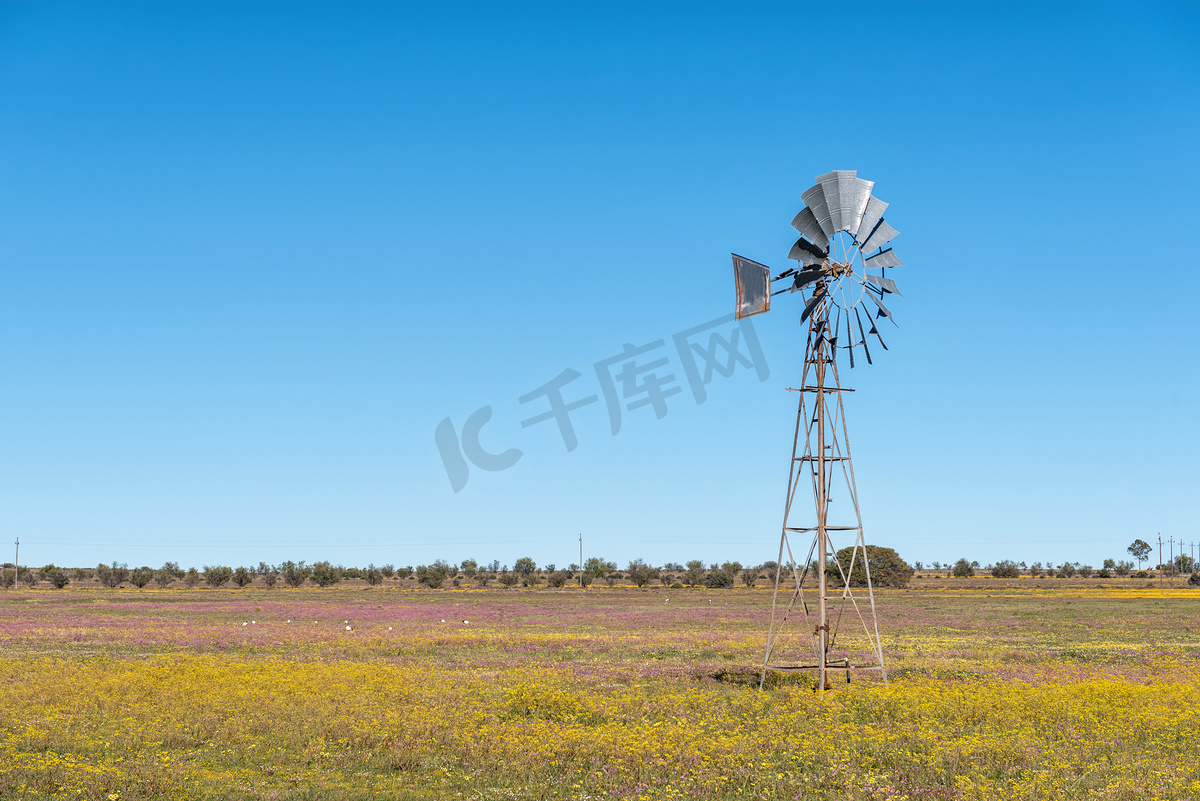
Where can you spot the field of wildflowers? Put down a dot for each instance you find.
(997, 692)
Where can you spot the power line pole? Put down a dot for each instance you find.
(1160, 562)
(17, 563)
(1171, 555)
(581, 561)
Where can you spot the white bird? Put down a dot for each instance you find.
(443, 620)
(466, 621)
(389, 628)
(253, 622)
(348, 628)
(243, 623)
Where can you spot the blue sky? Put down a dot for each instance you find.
(252, 255)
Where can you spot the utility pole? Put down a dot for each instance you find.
(581, 561)
(1171, 555)
(17, 563)
(1160, 562)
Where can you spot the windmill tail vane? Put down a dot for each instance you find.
(842, 258)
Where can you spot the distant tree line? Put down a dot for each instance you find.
(887, 569)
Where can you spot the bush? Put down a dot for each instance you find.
(388, 571)
(373, 575)
(508, 579)
(432, 576)
(718, 579)
(192, 577)
(112, 576)
(677, 586)
(641, 573)
(1141, 574)
(243, 577)
(558, 578)
(141, 576)
(963, 569)
(1194, 580)
(324, 574)
(887, 568)
(216, 575)
(55, 576)
(7, 578)
(482, 578)
(294, 574)
(166, 574)
(749, 576)
(694, 576)
(1006, 569)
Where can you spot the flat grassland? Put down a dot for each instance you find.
(998, 690)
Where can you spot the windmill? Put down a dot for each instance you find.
(842, 259)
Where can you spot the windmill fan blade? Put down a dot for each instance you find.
(866, 351)
(886, 258)
(875, 331)
(806, 277)
(814, 198)
(886, 284)
(870, 218)
(883, 310)
(806, 224)
(850, 339)
(784, 274)
(882, 234)
(846, 198)
(812, 303)
(806, 252)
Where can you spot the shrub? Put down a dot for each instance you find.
(508, 579)
(694, 574)
(192, 577)
(112, 576)
(166, 574)
(525, 566)
(1085, 571)
(404, 572)
(216, 575)
(641, 573)
(141, 576)
(270, 578)
(243, 577)
(558, 578)
(294, 574)
(749, 576)
(388, 571)
(373, 575)
(1194, 580)
(718, 579)
(887, 568)
(1005, 569)
(434, 575)
(1066, 569)
(8, 578)
(963, 569)
(324, 574)
(1141, 574)
(482, 578)
(351, 573)
(677, 586)
(55, 576)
